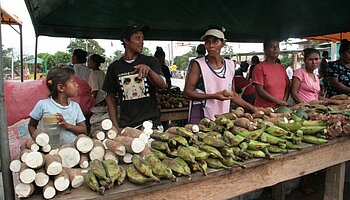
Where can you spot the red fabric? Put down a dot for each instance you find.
(273, 78)
(241, 82)
(21, 97)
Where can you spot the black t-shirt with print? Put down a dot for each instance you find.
(137, 97)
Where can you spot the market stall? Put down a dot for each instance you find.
(236, 153)
(224, 184)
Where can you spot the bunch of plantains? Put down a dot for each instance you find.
(221, 144)
(103, 175)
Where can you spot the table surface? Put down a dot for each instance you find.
(224, 184)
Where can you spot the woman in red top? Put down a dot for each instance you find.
(270, 78)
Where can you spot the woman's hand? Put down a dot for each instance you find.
(220, 96)
(282, 103)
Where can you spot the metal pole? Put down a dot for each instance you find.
(4, 139)
(21, 47)
(35, 56)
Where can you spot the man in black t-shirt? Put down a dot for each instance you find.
(134, 78)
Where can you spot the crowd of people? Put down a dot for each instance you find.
(213, 84)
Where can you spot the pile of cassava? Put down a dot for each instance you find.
(108, 157)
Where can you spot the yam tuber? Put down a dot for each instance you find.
(110, 155)
(239, 112)
(24, 154)
(84, 161)
(127, 158)
(112, 133)
(53, 164)
(97, 151)
(15, 165)
(75, 177)
(115, 147)
(61, 181)
(26, 175)
(24, 190)
(49, 190)
(84, 143)
(98, 134)
(30, 144)
(106, 124)
(41, 178)
(41, 137)
(193, 127)
(135, 133)
(46, 148)
(132, 145)
(35, 160)
(70, 155)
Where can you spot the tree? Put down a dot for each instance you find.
(7, 54)
(183, 61)
(91, 45)
(118, 54)
(286, 60)
(228, 51)
(146, 51)
(61, 57)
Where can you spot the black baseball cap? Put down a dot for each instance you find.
(129, 30)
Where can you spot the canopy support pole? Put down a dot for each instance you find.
(21, 49)
(36, 56)
(4, 139)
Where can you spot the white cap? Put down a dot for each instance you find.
(214, 32)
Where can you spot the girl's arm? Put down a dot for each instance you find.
(295, 90)
(32, 126)
(80, 128)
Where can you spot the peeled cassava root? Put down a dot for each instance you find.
(70, 155)
(83, 143)
(132, 145)
(41, 137)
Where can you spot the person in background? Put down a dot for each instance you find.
(200, 51)
(160, 55)
(79, 61)
(254, 61)
(322, 72)
(242, 70)
(338, 72)
(305, 84)
(323, 64)
(61, 84)
(243, 86)
(270, 78)
(97, 77)
(208, 78)
(135, 78)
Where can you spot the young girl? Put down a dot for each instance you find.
(97, 77)
(62, 86)
(305, 84)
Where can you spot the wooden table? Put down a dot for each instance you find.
(224, 184)
(174, 114)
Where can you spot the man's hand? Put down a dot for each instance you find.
(142, 70)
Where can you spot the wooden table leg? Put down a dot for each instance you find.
(334, 183)
(279, 191)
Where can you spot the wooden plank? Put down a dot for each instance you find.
(174, 114)
(223, 184)
(334, 183)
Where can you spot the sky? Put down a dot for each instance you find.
(11, 39)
